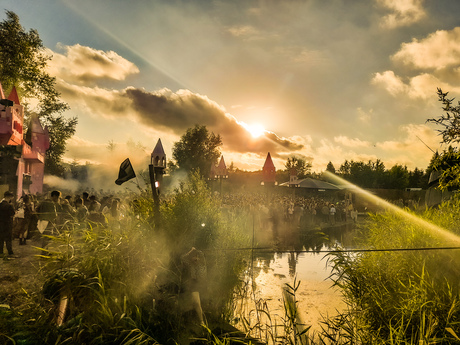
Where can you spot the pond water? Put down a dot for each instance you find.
(307, 266)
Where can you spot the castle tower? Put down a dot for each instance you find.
(269, 171)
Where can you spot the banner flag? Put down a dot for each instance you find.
(126, 172)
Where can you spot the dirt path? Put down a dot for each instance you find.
(21, 274)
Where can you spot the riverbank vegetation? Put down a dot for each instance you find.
(404, 290)
(121, 283)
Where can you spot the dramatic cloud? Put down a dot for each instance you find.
(403, 12)
(96, 101)
(174, 112)
(439, 50)
(177, 111)
(80, 64)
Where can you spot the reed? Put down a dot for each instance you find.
(404, 297)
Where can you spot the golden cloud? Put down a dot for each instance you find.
(81, 64)
(402, 12)
(439, 50)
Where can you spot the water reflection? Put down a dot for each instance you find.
(308, 241)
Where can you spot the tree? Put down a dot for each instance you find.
(300, 164)
(448, 161)
(330, 167)
(23, 62)
(398, 177)
(366, 175)
(418, 179)
(197, 149)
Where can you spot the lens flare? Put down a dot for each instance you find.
(443, 233)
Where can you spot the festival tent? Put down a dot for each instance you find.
(310, 183)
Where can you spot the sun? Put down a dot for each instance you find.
(256, 129)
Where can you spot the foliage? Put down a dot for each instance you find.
(448, 164)
(300, 164)
(448, 161)
(367, 175)
(113, 276)
(408, 296)
(375, 175)
(192, 218)
(23, 62)
(449, 121)
(197, 149)
(330, 167)
(61, 129)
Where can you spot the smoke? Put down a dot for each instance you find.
(55, 182)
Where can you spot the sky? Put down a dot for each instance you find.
(324, 80)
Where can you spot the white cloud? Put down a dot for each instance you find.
(439, 50)
(422, 86)
(391, 82)
(81, 64)
(402, 12)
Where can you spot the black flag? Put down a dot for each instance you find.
(126, 172)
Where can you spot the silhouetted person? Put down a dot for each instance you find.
(6, 222)
(24, 222)
(47, 212)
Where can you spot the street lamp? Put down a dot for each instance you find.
(156, 171)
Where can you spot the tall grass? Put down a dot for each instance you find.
(102, 284)
(403, 297)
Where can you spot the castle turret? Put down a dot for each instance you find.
(269, 171)
(158, 156)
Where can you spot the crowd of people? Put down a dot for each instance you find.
(299, 211)
(44, 215)
(282, 219)
(37, 215)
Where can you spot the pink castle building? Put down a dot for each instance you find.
(21, 165)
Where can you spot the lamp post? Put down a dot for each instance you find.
(156, 171)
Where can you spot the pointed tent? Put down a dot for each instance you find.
(269, 171)
(158, 157)
(221, 169)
